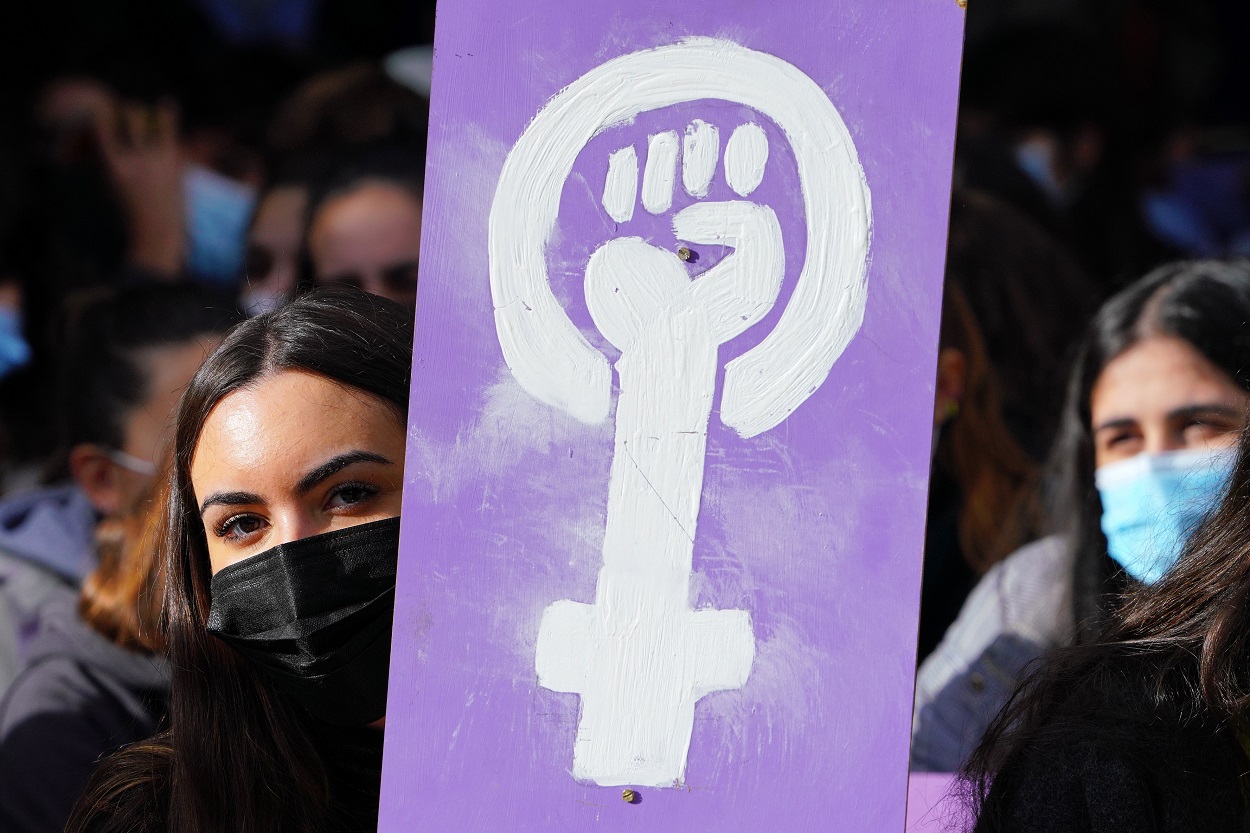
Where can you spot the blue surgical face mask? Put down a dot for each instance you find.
(1037, 159)
(1152, 503)
(14, 351)
(218, 210)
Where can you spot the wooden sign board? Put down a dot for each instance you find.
(671, 415)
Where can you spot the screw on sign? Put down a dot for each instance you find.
(640, 657)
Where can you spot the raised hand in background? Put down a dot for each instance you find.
(140, 147)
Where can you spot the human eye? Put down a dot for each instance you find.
(1119, 438)
(345, 496)
(1207, 428)
(238, 528)
(402, 278)
(1117, 442)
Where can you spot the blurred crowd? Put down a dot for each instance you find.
(170, 169)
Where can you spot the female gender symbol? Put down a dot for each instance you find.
(640, 657)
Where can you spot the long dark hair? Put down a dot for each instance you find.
(1176, 657)
(1205, 303)
(236, 756)
(991, 470)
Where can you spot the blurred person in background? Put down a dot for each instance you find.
(154, 170)
(282, 543)
(130, 355)
(1157, 399)
(364, 230)
(364, 134)
(1015, 305)
(333, 123)
(1031, 301)
(1038, 129)
(981, 485)
(275, 243)
(93, 680)
(355, 106)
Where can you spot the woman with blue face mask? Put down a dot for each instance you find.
(1157, 399)
(1146, 724)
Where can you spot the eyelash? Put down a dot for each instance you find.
(368, 490)
(222, 529)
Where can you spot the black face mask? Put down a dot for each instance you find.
(316, 615)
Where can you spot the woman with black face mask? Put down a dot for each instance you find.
(282, 535)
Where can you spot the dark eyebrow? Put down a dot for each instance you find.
(1212, 409)
(1202, 409)
(336, 464)
(229, 499)
(1125, 422)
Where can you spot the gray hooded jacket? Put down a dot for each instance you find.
(47, 546)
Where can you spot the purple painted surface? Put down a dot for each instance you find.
(934, 804)
(815, 527)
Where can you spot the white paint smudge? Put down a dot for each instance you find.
(660, 173)
(746, 155)
(628, 282)
(699, 152)
(620, 189)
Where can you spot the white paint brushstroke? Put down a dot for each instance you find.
(628, 281)
(661, 172)
(640, 657)
(699, 152)
(545, 351)
(746, 155)
(742, 288)
(620, 188)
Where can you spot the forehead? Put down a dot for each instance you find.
(373, 225)
(267, 435)
(168, 369)
(1156, 376)
(280, 213)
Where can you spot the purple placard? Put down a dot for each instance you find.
(664, 509)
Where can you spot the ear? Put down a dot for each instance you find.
(97, 476)
(952, 378)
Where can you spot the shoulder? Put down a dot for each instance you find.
(1017, 611)
(1028, 593)
(64, 700)
(55, 677)
(1034, 589)
(1021, 607)
(51, 685)
(25, 589)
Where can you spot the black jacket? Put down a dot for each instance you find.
(79, 698)
(1114, 755)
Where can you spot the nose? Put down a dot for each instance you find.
(294, 526)
(1160, 439)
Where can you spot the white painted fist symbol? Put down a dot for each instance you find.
(629, 281)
